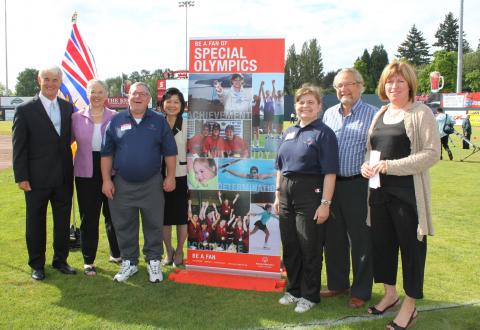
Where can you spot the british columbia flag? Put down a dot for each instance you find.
(78, 67)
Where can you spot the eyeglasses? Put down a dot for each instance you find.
(348, 84)
(141, 94)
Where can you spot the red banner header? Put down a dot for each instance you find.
(237, 55)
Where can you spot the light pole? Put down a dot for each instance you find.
(460, 50)
(6, 52)
(185, 4)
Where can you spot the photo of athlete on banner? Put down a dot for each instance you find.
(220, 96)
(246, 175)
(214, 144)
(267, 114)
(200, 131)
(237, 139)
(202, 173)
(218, 221)
(219, 139)
(264, 228)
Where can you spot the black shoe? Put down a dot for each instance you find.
(450, 155)
(38, 274)
(65, 269)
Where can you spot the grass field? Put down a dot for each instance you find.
(5, 127)
(452, 286)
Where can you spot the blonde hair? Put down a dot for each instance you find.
(307, 89)
(403, 69)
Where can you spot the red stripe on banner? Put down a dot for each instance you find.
(78, 60)
(72, 72)
(241, 261)
(82, 45)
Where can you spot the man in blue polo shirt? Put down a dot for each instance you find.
(135, 143)
(347, 228)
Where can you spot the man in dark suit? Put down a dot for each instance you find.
(43, 169)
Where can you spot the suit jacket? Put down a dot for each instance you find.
(40, 155)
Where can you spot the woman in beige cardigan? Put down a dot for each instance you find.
(405, 133)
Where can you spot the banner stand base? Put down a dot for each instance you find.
(228, 281)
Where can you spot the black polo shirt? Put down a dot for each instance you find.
(312, 149)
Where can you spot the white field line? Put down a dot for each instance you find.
(355, 319)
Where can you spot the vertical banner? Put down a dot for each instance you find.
(234, 128)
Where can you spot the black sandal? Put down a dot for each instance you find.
(411, 322)
(372, 310)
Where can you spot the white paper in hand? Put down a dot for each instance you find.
(374, 181)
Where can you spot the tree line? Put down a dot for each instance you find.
(307, 65)
(27, 82)
(415, 49)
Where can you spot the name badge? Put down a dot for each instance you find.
(125, 127)
(290, 136)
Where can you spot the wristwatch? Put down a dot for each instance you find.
(326, 202)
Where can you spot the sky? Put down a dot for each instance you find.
(127, 36)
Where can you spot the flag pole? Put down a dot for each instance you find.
(73, 228)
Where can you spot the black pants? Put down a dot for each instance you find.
(465, 145)
(394, 225)
(302, 238)
(60, 199)
(90, 201)
(444, 142)
(347, 232)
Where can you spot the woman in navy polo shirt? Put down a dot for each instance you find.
(307, 163)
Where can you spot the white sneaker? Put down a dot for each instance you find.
(126, 270)
(154, 271)
(288, 299)
(304, 305)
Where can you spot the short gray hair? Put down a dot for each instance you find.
(97, 81)
(140, 83)
(53, 69)
(356, 74)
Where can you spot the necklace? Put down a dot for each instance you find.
(97, 114)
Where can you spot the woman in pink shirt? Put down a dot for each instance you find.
(88, 128)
